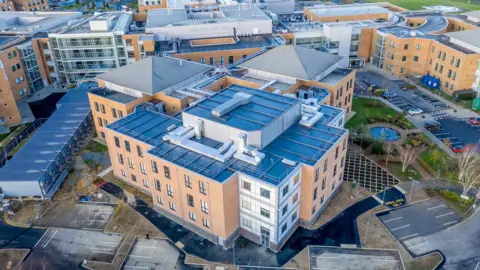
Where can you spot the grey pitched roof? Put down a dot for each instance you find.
(468, 36)
(154, 74)
(293, 61)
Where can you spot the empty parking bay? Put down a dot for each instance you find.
(420, 219)
(152, 254)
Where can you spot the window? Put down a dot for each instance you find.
(169, 190)
(14, 68)
(127, 146)
(204, 206)
(102, 108)
(212, 60)
(404, 58)
(246, 204)
(418, 46)
(188, 183)
(452, 60)
(441, 69)
(415, 58)
(334, 170)
(14, 54)
(158, 186)
(264, 212)
(325, 165)
(206, 223)
(130, 163)
(246, 185)
(324, 180)
(314, 209)
(172, 206)
(436, 66)
(230, 59)
(444, 55)
(114, 113)
(457, 64)
(154, 166)
(265, 193)
(190, 200)
(222, 60)
(294, 216)
(120, 113)
(336, 153)
(402, 70)
(139, 151)
(9, 55)
(102, 134)
(166, 171)
(159, 200)
(105, 123)
(18, 66)
(134, 178)
(333, 185)
(100, 123)
(454, 75)
(317, 173)
(124, 173)
(117, 141)
(285, 190)
(321, 199)
(120, 158)
(341, 163)
(315, 193)
(244, 56)
(203, 188)
(296, 179)
(449, 73)
(405, 47)
(143, 169)
(202, 60)
(96, 106)
(145, 183)
(295, 198)
(247, 222)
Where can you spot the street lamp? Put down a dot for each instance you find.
(411, 190)
(384, 191)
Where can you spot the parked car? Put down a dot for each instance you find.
(459, 149)
(432, 126)
(475, 121)
(388, 95)
(415, 111)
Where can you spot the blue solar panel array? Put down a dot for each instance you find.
(298, 143)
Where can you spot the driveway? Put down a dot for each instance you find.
(459, 244)
(16, 237)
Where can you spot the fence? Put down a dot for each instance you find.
(5, 152)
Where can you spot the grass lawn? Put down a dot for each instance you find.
(363, 112)
(435, 162)
(395, 168)
(96, 147)
(418, 4)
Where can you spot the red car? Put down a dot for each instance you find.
(475, 121)
(459, 149)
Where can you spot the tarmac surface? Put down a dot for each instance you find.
(17, 237)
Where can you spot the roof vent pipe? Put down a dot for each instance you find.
(198, 128)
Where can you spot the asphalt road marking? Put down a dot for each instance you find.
(447, 214)
(138, 246)
(136, 267)
(326, 257)
(99, 220)
(41, 237)
(408, 225)
(48, 242)
(109, 243)
(478, 264)
(385, 260)
(417, 245)
(435, 207)
(415, 234)
(451, 222)
(138, 256)
(392, 219)
(104, 252)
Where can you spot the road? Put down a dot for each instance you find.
(16, 237)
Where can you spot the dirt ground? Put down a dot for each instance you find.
(26, 212)
(127, 188)
(10, 258)
(127, 221)
(209, 265)
(301, 261)
(346, 196)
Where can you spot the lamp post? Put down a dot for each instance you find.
(411, 190)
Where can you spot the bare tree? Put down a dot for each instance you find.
(407, 156)
(388, 148)
(468, 173)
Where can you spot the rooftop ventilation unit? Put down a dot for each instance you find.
(310, 116)
(237, 100)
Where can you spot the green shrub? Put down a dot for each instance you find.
(411, 86)
(454, 196)
(375, 104)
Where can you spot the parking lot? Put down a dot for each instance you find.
(152, 254)
(78, 216)
(413, 222)
(353, 258)
(77, 245)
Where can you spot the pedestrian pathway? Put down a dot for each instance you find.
(340, 230)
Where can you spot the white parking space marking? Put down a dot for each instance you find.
(138, 256)
(104, 252)
(478, 264)
(408, 225)
(411, 235)
(48, 242)
(448, 223)
(435, 207)
(145, 246)
(447, 214)
(135, 267)
(325, 257)
(417, 245)
(392, 219)
(109, 243)
(380, 260)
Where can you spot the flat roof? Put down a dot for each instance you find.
(6, 39)
(119, 22)
(256, 41)
(471, 37)
(113, 95)
(34, 22)
(329, 113)
(475, 14)
(42, 149)
(263, 108)
(348, 10)
(336, 76)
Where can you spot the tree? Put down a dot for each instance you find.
(407, 156)
(468, 166)
(435, 155)
(388, 148)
